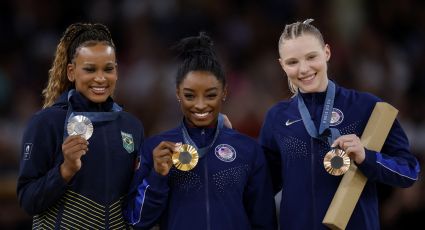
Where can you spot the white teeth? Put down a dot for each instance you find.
(201, 114)
(308, 78)
(99, 89)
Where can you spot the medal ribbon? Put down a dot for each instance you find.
(92, 116)
(324, 131)
(204, 150)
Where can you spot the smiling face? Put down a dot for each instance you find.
(94, 71)
(304, 60)
(201, 95)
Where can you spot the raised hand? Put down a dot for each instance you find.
(162, 156)
(73, 148)
(352, 145)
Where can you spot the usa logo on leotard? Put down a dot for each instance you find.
(337, 117)
(225, 152)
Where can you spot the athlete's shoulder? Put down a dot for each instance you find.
(133, 120)
(358, 96)
(235, 136)
(49, 115)
(281, 105)
(46, 122)
(355, 104)
(281, 108)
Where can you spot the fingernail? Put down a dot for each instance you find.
(177, 147)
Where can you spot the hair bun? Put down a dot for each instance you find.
(194, 46)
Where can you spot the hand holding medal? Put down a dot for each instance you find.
(185, 157)
(79, 129)
(166, 154)
(337, 161)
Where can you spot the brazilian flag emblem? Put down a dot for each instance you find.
(127, 142)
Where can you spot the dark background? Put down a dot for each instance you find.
(377, 46)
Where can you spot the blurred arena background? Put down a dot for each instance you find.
(377, 46)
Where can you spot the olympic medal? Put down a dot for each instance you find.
(336, 162)
(185, 158)
(80, 125)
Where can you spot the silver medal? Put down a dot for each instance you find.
(80, 125)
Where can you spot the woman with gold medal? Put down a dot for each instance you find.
(202, 174)
(311, 139)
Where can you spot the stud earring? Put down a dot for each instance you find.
(224, 99)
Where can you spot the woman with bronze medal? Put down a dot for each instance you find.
(311, 139)
(65, 182)
(202, 174)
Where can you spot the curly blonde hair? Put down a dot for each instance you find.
(75, 36)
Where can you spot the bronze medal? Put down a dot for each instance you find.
(336, 162)
(185, 158)
(80, 125)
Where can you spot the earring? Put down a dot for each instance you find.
(179, 100)
(224, 99)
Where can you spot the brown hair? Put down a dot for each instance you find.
(75, 36)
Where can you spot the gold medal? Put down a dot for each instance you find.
(185, 158)
(80, 125)
(336, 162)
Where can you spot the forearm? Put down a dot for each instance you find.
(148, 201)
(399, 171)
(38, 194)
